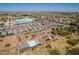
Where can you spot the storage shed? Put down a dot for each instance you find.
(27, 45)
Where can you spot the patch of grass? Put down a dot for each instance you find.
(2, 36)
(73, 51)
(72, 42)
(54, 52)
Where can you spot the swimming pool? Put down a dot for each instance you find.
(24, 21)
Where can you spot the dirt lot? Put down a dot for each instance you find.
(59, 44)
(43, 49)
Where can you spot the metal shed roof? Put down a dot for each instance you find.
(27, 45)
(33, 43)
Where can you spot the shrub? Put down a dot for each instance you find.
(72, 42)
(73, 51)
(48, 46)
(53, 52)
(2, 36)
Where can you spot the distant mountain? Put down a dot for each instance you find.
(34, 12)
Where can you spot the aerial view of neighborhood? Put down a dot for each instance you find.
(39, 29)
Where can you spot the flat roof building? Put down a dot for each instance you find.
(24, 21)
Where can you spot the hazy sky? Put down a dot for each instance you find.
(57, 7)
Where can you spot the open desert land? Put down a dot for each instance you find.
(39, 33)
(44, 49)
